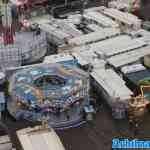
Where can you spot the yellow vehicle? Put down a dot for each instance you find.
(138, 105)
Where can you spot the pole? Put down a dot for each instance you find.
(7, 23)
(66, 2)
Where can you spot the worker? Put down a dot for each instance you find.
(58, 111)
(136, 128)
(38, 31)
(66, 111)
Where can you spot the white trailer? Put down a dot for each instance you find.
(113, 46)
(5, 143)
(94, 36)
(125, 5)
(113, 89)
(39, 138)
(101, 19)
(125, 18)
(129, 57)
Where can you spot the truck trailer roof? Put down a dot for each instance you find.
(38, 138)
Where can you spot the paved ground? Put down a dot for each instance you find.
(91, 136)
(95, 136)
(98, 136)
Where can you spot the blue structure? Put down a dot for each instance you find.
(55, 91)
(2, 101)
(64, 59)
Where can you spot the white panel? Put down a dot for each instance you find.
(123, 17)
(114, 45)
(38, 139)
(112, 83)
(101, 19)
(94, 36)
(129, 57)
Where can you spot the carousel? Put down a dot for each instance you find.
(58, 93)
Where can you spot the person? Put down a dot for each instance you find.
(134, 126)
(67, 114)
(68, 117)
(58, 111)
(38, 31)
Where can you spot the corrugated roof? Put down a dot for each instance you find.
(39, 139)
(129, 57)
(116, 45)
(124, 17)
(53, 31)
(94, 36)
(101, 19)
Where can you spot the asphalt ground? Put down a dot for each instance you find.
(95, 135)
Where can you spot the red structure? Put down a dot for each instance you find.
(6, 24)
(27, 3)
(8, 36)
